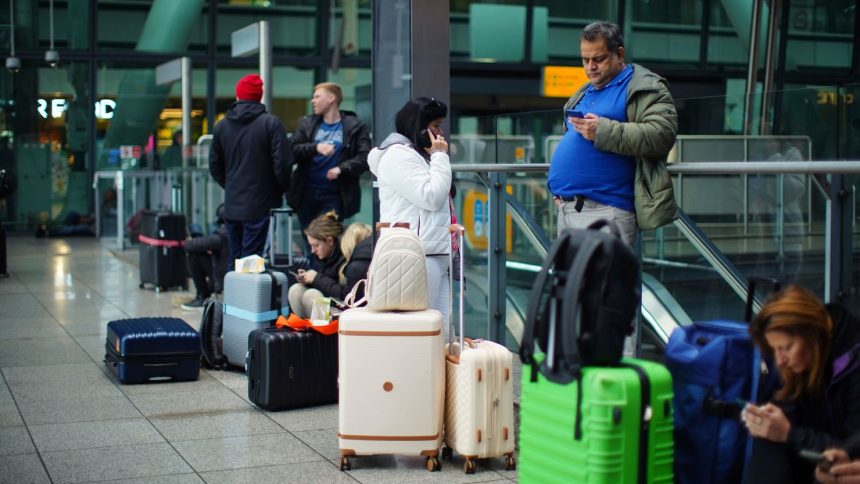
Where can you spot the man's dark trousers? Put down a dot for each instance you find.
(248, 238)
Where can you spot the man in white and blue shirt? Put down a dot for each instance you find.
(331, 147)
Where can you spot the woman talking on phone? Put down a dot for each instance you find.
(414, 174)
(817, 352)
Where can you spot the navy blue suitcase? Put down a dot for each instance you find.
(142, 349)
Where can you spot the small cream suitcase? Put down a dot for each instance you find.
(391, 384)
(479, 398)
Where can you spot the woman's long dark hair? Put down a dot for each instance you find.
(414, 117)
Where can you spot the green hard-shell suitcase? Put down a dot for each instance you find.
(625, 439)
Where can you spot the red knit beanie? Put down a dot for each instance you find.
(249, 88)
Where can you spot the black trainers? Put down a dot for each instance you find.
(195, 304)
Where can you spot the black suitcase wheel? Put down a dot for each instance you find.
(469, 467)
(344, 464)
(447, 453)
(141, 285)
(510, 463)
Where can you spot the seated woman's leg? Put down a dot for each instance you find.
(777, 463)
(308, 299)
(296, 296)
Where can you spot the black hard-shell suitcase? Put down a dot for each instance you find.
(291, 369)
(162, 256)
(142, 349)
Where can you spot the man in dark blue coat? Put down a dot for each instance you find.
(251, 159)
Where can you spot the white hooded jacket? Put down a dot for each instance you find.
(413, 190)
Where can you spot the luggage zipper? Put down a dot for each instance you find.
(644, 419)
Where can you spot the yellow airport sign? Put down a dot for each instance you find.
(476, 220)
(562, 81)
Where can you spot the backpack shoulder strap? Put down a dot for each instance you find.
(535, 301)
(571, 329)
(206, 333)
(350, 300)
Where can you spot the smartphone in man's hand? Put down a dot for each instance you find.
(572, 113)
(817, 458)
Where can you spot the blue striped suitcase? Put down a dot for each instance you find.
(142, 349)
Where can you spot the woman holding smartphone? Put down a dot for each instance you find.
(323, 235)
(414, 174)
(817, 352)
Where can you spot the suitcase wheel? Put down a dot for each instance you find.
(470, 466)
(344, 463)
(433, 464)
(447, 453)
(140, 286)
(510, 463)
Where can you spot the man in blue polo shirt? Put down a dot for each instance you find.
(611, 162)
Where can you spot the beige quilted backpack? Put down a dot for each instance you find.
(397, 277)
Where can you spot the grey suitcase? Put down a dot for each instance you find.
(251, 301)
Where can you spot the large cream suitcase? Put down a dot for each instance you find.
(391, 384)
(479, 397)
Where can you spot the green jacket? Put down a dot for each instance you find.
(648, 135)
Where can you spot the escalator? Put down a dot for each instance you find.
(661, 312)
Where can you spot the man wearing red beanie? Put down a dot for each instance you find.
(251, 158)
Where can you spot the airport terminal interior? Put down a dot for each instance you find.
(107, 108)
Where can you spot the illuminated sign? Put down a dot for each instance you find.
(562, 81)
(830, 97)
(56, 108)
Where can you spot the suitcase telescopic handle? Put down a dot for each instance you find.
(273, 224)
(752, 282)
(457, 231)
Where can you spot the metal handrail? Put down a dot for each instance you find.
(765, 167)
(699, 167)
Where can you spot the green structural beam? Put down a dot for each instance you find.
(139, 100)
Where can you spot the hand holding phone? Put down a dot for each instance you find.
(817, 458)
(437, 143)
(572, 113)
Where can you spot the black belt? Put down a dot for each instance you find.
(579, 199)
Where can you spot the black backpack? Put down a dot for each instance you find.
(211, 326)
(582, 304)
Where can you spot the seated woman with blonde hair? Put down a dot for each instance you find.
(344, 259)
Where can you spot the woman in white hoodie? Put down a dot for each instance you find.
(414, 174)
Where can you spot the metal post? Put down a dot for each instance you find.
(496, 248)
(752, 67)
(185, 78)
(764, 129)
(120, 210)
(411, 58)
(266, 63)
(838, 256)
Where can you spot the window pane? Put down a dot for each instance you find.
(121, 25)
(45, 119)
(665, 30)
(292, 24)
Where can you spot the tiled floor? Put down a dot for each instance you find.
(64, 418)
